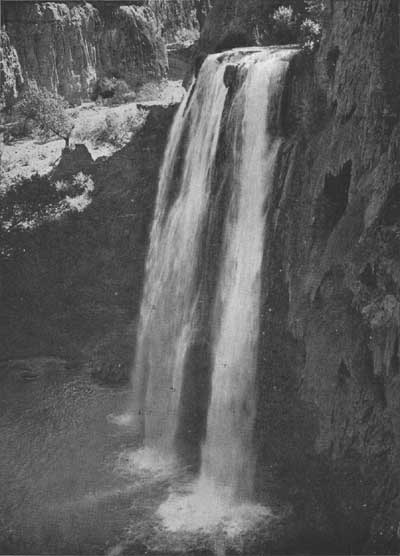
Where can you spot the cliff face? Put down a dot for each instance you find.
(10, 72)
(180, 20)
(329, 378)
(234, 23)
(66, 47)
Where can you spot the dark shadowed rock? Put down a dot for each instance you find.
(74, 287)
(73, 160)
(329, 388)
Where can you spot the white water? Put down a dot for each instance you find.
(227, 453)
(168, 313)
(170, 305)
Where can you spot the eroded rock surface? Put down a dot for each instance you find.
(236, 23)
(180, 20)
(329, 376)
(11, 78)
(66, 47)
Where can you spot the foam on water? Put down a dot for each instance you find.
(210, 509)
(124, 420)
(146, 463)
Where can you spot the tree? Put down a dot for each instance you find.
(47, 110)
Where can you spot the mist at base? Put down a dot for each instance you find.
(195, 510)
(211, 509)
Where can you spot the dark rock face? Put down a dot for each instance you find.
(74, 287)
(10, 72)
(66, 47)
(236, 23)
(328, 427)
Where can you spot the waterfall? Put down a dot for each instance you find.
(168, 312)
(227, 453)
(228, 118)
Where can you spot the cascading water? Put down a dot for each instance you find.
(227, 453)
(229, 116)
(168, 313)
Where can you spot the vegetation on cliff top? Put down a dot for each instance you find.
(290, 25)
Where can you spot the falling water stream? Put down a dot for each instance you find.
(236, 96)
(168, 314)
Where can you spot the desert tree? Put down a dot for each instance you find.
(47, 110)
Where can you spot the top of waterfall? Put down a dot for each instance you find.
(237, 54)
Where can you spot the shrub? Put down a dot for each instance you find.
(120, 91)
(78, 191)
(104, 88)
(115, 89)
(116, 128)
(284, 24)
(47, 110)
(310, 34)
(28, 203)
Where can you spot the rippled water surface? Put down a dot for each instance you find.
(60, 488)
(74, 480)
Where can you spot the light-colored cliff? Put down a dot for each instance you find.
(66, 47)
(10, 72)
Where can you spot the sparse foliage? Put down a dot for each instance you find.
(284, 23)
(114, 129)
(310, 34)
(30, 202)
(47, 110)
(289, 25)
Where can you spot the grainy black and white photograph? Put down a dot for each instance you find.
(199, 277)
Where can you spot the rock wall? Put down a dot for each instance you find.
(66, 46)
(10, 72)
(180, 20)
(234, 23)
(328, 426)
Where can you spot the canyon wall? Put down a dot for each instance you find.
(180, 20)
(66, 47)
(240, 23)
(328, 429)
(11, 78)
